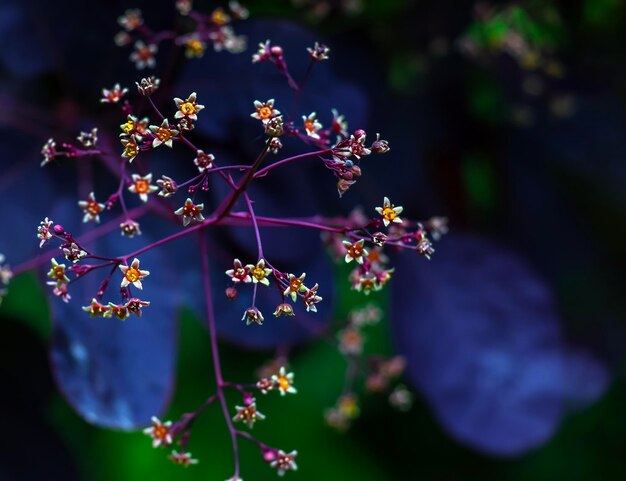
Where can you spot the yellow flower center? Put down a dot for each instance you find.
(195, 47)
(355, 251)
(130, 149)
(160, 432)
(258, 273)
(93, 208)
(164, 134)
(188, 108)
(389, 213)
(128, 127)
(142, 186)
(59, 272)
(295, 285)
(219, 17)
(283, 383)
(132, 275)
(309, 125)
(265, 112)
(349, 406)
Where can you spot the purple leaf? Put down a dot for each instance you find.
(481, 335)
(118, 374)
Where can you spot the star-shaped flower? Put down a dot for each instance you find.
(259, 272)
(133, 275)
(389, 212)
(311, 298)
(159, 432)
(311, 125)
(285, 462)
(143, 55)
(264, 110)
(284, 381)
(187, 108)
(355, 251)
(91, 208)
(248, 414)
(131, 149)
(142, 186)
(190, 211)
(168, 186)
(239, 272)
(164, 134)
(57, 272)
(114, 95)
(183, 458)
(296, 285)
(95, 309)
(203, 161)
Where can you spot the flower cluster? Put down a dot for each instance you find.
(358, 240)
(379, 372)
(215, 29)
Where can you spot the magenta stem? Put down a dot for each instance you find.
(265, 170)
(256, 226)
(214, 349)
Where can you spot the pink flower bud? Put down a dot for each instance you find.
(231, 293)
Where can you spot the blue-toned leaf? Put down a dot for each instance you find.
(25, 192)
(118, 374)
(481, 334)
(23, 53)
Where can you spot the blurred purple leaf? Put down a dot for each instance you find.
(118, 374)
(481, 335)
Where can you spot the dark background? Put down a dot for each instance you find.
(526, 159)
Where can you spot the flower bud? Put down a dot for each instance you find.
(231, 293)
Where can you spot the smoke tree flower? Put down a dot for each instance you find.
(264, 110)
(248, 414)
(283, 381)
(48, 151)
(253, 316)
(113, 95)
(183, 458)
(163, 134)
(133, 274)
(311, 125)
(239, 272)
(389, 212)
(91, 208)
(187, 108)
(285, 462)
(142, 186)
(190, 211)
(88, 139)
(129, 228)
(96, 309)
(160, 432)
(295, 286)
(131, 149)
(43, 231)
(259, 272)
(143, 55)
(203, 161)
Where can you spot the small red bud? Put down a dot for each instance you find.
(231, 293)
(276, 51)
(59, 230)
